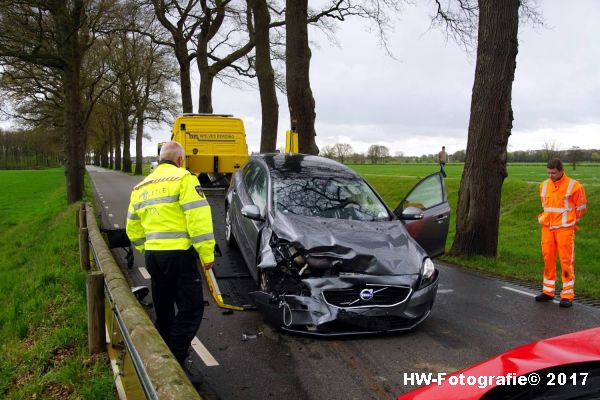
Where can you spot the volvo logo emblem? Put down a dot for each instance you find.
(366, 294)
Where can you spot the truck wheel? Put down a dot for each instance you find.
(204, 180)
(228, 233)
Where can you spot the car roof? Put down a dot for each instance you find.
(283, 165)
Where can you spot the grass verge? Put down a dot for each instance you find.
(519, 252)
(43, 330)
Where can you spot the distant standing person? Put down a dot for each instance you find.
(442, 160)
(563, 200)
(169, 220)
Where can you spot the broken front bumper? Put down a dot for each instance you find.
(341, 305)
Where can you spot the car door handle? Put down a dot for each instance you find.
(441, 218)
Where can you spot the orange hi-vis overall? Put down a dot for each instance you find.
(564, 204)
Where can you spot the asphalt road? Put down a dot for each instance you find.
(475, 317)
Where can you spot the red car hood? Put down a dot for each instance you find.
(582, 346)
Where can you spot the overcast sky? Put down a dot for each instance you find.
(420, 101)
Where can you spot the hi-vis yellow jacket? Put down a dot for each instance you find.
(168, 211)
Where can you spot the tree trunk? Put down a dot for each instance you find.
(104, 154)
(297, 65)
(184, 77)
(206, 84)
(490, 125)
(75, 135)
(117, 137)
(139, 135)
(266, 77)
(111, 150)
(126, 145)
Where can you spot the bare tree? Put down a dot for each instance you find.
(575, 155)
(342, 151)
(490, 126)
(328, 151)
(377, 152)
(57, 35)
(149, 73)
(551, 149)
(265, 75)
(181, 20)
(300, 98)
(233, 31)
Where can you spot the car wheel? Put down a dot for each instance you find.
(228, 229)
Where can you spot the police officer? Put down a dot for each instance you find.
(169, 220)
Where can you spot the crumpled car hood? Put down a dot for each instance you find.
(376, 248)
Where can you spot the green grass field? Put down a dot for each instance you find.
(519, 237)
(43, 330)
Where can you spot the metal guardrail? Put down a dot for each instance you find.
(143, 366)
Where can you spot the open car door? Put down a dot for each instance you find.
(426, 214)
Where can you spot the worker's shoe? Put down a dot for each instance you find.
(566, 303)
(543, 297)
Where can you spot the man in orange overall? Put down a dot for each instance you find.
(563, 200)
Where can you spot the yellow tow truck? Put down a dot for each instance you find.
(215, 145)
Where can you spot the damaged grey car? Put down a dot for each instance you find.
(328, 255)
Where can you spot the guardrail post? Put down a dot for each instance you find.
(82, 216)
(84, 249)
(95, 311)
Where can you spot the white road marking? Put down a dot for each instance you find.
(144, 273)
(444, 291)
(203, 353)
(110, 215)
(523, 292)
(116, 225)
(106, 207)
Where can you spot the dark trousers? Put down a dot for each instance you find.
(176, 280)
(443, 169)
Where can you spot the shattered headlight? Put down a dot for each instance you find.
(428, 273)
(289, 252)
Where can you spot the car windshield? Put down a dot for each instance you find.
(341, 198)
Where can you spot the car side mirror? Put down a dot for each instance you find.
(252, 211)
(412, 213)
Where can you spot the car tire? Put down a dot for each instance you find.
(229, 238)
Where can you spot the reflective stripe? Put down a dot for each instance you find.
(569, 189)
(132, 216)
(548, 291)
(166, 235)
(554, 209)
(567, 291)
(168, 178)
(581, 207)
(570, 283)
(552, 227)
(549, 282)
(202, 238)
(138, 242)
(194, 204)
(544, 188)
(158, 200)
